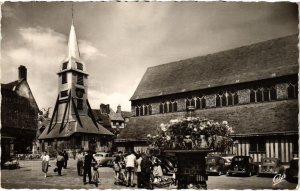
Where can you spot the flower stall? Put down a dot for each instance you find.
(190, 139)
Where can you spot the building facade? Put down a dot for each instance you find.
(73, 125)
(19, 116)
(254, 88)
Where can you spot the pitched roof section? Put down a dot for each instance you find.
(263, 60)
(279, 117)
(11, 86)
(73, 50)
(74, 127)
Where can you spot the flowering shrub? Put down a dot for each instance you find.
(192, 133)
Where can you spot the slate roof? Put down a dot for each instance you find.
(278, 117)
(74, 127)
(268, 59)
(115, 116)
(102, 118)
(126, 114)
(11, 85)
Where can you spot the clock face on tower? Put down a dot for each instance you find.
(79, 93)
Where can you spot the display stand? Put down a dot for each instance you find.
(191, 168)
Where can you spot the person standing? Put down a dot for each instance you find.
(80, 159)
(146, 166)
(45, 163)
(117, 167)
(66, 158)
(130, 164)
(139, 171)
(59, 162)
(87, 167)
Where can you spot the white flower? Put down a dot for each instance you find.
(174, 121)
(163, 127)
(148, 135)
(168, 137)
(187, 136)
(224, 123)
(202, 127)
(189, 119)
(195, 129)
(208, 123)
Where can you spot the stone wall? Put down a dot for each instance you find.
(244, 96)
(281, 91)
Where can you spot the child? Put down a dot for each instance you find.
(96, 175)
(157, 173)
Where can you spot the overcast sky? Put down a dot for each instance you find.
(118, 41)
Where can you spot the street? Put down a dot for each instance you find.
(30, 176)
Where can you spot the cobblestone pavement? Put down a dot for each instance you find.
(31, 176)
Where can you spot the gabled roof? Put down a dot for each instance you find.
(115, 116)
(103, 118)
(279, 117)
(10, 89)
(268, 59)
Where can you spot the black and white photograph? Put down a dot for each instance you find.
(149, 95)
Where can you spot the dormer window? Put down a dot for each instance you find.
(65, 65)
(79, 66)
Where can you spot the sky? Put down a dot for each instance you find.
(118, 41)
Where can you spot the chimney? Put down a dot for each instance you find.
(22, 72)
(119, 109)
(104, 108)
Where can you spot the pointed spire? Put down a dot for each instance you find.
(73, 50)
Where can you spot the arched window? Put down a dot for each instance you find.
(141, 110)
(193, 102)
(150, 110)
(146, 109)
(259, 95)
(273, 93)
(161, 108)
(224, 99)
(187, 103)
(218, 100)
(175, 106)
(137, 111)
(267, 94)
(235, 99)
(292, 91)
(229, 99)
(203, 103)
(198, 103)
(170, 106)
(165, 107)
(253, 96)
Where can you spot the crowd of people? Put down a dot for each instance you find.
(146, 168)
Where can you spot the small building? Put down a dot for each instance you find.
(254, 88)
(73, 125)
(19, 116)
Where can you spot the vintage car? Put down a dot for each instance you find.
(270, 166)
(291, 173)
(103, 159)
(242, 165)
(215, 165)
(11, 164)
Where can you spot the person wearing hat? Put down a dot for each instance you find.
(87, 165)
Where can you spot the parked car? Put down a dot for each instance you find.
(270, 166)
(215, 165)
(291, 173)
(228, 160)
(11, 164)
(242, 165)
(103, 159)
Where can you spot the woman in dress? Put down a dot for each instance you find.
(45, 163)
